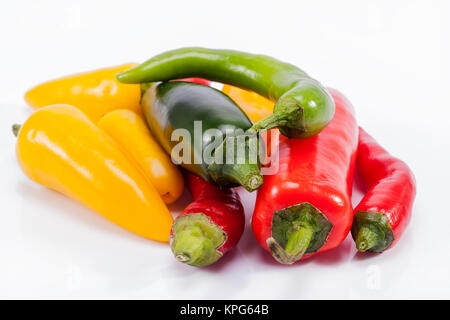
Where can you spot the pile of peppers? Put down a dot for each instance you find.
(106, 139)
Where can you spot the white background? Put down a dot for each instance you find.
(391, 58)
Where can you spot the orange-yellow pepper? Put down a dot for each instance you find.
(131, 133)
(95, 92)
(60, 148)
(255, 106)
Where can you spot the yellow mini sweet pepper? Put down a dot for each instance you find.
(94, 92)
(131, 133)
(255, 106)
(60, 148)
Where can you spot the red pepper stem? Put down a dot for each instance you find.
(195, 240)
(297, 230)
(366, 239)
(16, 128)
(299, 241)
(371, 231)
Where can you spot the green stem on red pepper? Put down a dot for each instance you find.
(208, 227)
(306, 207)
(385, 211)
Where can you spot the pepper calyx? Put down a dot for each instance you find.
(297, 230)
(195, 240)
(371, 231)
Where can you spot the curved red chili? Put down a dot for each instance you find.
(208, 227)
(306, 207)
(384, 212)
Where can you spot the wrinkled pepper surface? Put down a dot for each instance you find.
(60, 148)
(95, 92)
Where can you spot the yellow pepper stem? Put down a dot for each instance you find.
(16, 128)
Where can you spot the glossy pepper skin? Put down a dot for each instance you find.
(95, 92)
(60, 148)
(131, 133)
(306, 207)
(256, 107)
(208, 227)
(171, 106)
(385, 211)
(303, 106)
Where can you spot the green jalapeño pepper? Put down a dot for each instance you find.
(194, 123)
(303, 107)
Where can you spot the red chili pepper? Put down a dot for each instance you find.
(306, 207)
(208, 227)
(384, 212)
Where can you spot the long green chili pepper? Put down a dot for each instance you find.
(169, 106)
(303, 106)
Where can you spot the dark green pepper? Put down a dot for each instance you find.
(303, 106)
(171, 106)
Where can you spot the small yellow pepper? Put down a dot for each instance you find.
(94, 92)
(255, 106)
(131, 133)
(60, 148)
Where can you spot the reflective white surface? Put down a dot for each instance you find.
(389, 58)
